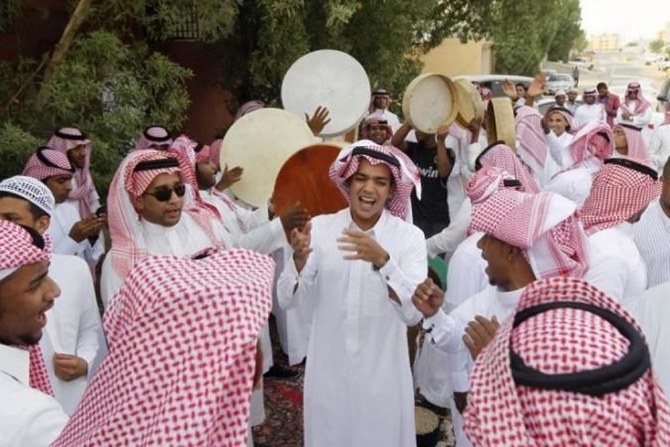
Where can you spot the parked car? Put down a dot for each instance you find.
(559, 81)
(494, 81)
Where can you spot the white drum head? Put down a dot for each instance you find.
(332, 79)
(429, 102)
(260, 142)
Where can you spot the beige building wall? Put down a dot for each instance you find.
(604, 42)
(453, 58)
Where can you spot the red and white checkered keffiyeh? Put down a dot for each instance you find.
(128, 245)
(641, 104)
(485, 182)
(184, 149)
(618, 192)
(215, 152)
(249, 107)
(501, 156)
(406, 177)
(47, 163)
(531, 145)
(592, 142)
(16, 250)
(182, 339)
(543, 225)
(64, 140)
(565, 340)
(637, 149)
(565, 113)
(375, 120)
(152, 136)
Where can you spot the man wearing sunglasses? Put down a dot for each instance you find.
(148, 215)
(634, 109)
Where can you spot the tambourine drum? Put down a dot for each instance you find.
(260, 142)
(332, 79)
(469, 103)
(500, 122)
(430, 102)
(304, 178)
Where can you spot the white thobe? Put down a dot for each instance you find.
(571, 106)
(358, 383)
(183, 239)
(73, 327)
(617, 242)
(659, 147)
(390, 117)
(638, 120)
(651, 310)
(65, 215)
(558, 147)
(248, 229)
(574, 184)
(587, 113)
(28, 417)
(652, 237)
(447, 240)
(446, 332)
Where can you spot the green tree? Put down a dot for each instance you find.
(656, 46)
(569, 34)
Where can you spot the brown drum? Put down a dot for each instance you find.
(304, 178)
(500, 122)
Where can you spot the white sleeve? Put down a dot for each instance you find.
(90, 326)
(405, 274)
(37, 420)
(110, 282)
(264, 238)
(642, 121)
(447, 240)
(288, 295)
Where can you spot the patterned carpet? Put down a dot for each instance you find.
(283, 409)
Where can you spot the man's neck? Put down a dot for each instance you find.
(365, 224)
(665, 208)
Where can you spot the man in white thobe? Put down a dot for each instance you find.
(591, 110)
(71, 234)
(621, 191)
(360, 266)
(147, 216)
(74, 342)
(28, 415)
(552, 243)
(652, 235)
(379, 107)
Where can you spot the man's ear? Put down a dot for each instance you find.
(511, 252)
(42, 224)
(138, 202)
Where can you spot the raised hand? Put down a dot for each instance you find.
(428, 298)
(536, 88)
(319, 120)
(362, 246)
(509, 89)
(230, 177)
(479, 334)
(300, 241)
(296, 216)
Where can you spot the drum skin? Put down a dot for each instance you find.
(331, 79)
(430, 102)
(260, 142)
(304, 178)
(469, 103)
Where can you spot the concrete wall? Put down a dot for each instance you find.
(453, 58)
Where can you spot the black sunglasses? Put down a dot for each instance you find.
(164, 194)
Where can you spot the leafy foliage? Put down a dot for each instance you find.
(108, 89)
(656, 46)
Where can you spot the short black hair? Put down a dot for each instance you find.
(521, 84)
(35, 210)
(601, 85)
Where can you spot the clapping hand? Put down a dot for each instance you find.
(300, 240)
(362, 246)
(428, 298)
(479, 334)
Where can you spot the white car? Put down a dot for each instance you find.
(559, 81)
(494, 81)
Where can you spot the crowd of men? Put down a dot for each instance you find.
(547, 329)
